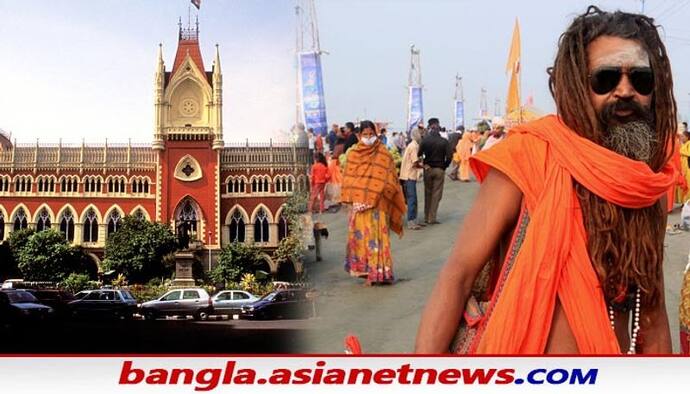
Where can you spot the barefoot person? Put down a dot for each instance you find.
(370, 185)
(581, 199)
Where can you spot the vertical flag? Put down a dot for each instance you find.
(197, 4)
(313, 100)
(513, 67)
(459, 114)
(415, 112)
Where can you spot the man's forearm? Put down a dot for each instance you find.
(441, 317)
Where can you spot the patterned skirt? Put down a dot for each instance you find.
(369, 247)
(685, 313)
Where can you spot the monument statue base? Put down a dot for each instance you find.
(183, 269)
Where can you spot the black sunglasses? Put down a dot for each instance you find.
(605, 79)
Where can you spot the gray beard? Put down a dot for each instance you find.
(635, 140)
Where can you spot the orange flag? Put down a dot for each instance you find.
(513, 67)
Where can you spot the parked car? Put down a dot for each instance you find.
(57, 299)
(105, 303)
(18, 306)
(229, 302)
(179, 302)
(82, 294)
(280, 304)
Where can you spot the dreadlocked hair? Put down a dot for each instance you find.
(625, 245)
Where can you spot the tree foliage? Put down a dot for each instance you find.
(235, 260)
(47, 256)
(18, 239)
(75, 283)
(137, 249)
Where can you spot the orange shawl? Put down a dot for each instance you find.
(371, 178)
(542, 158)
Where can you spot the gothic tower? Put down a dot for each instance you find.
(188, 135)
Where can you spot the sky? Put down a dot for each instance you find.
(83, 69)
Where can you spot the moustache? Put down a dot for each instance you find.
(638, 112)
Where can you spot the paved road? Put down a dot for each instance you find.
(159, 336)
(386, 318)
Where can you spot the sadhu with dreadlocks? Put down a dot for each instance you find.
(575, 204)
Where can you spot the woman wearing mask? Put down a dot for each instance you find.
(371, 186)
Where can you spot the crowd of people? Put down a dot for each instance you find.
(356, 165)
(570, 256)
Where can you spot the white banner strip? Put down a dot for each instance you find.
(309, 374)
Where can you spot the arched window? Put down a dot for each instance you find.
(254, 186)
(283, 228)
(90, 226)
(146, 186)
(20, 220)
(2, 225)
(139, 214)
(22, 184)
(265, 189)
(188, 217)
(261, 226)
(116, 185)
(4, 184)
(114, 221)
(237, 227)
(289, 184)
(241, 185)
(43, 220)
(67, 225)
(92, 184)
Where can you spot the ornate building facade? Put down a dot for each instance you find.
(187, 176)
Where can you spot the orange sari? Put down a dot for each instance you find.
(543, 158)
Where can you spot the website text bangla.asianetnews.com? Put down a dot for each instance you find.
(208, 379)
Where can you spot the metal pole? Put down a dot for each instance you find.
(209, 252)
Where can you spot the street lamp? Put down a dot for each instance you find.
(209, 251)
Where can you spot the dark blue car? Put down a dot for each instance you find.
(280, 304)
(18, 306)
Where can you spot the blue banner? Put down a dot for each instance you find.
(313, 101)
(459, 114)
(415, 109)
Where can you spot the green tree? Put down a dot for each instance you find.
(235, 260)
(75, 283)
(137, 249)
(18, 239)
(47, 256)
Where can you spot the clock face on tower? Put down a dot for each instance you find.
(189, 107)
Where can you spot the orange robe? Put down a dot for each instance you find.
(543, 158)
(463, 152)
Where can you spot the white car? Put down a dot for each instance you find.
(229, 302)
(179, 302)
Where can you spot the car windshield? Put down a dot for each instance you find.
(269, 296)
(18, 297)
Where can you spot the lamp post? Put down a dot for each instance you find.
(209, 251)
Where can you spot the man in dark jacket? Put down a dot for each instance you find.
(453, 139)
(331, 138)
(434, 149)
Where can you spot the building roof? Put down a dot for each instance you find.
(188, 44)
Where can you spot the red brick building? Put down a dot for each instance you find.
(223, 193)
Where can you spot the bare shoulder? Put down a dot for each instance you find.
(498, 193)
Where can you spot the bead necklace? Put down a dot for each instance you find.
(636, 322)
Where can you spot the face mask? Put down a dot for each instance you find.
(369, 141)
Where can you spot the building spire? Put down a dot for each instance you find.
(161, 63)
(216, 61)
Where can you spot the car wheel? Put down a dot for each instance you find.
(150, 315)
(201, 315)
